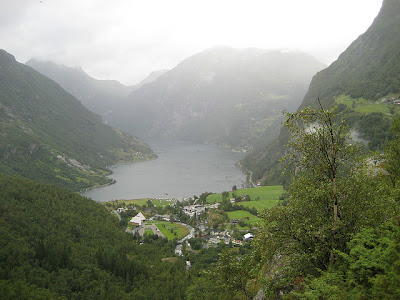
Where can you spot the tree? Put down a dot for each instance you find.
(392, 153)
(368, 271)
(319, 149)
(334, 193)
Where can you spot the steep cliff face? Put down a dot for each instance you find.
(364, 82)
(222, 95)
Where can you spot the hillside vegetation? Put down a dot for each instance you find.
(48, 135)
(58, 245)
(337, 234)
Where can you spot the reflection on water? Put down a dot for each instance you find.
(183, 169)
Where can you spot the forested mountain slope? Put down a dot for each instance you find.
(48, 135)
(222, 95)
(56, 244)
(364, 82)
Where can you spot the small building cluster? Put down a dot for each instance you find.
(194, 210)
(390, 101)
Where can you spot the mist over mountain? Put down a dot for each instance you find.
(152, 77)
(48, 135)
(222, 95)
(97, 95)
(364, 82)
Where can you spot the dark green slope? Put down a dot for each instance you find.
(56, 244)
(362, 82)
(48, 135)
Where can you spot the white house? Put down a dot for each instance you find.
(137, 220)
(247, 236)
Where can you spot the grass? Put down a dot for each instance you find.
(260, 205)
(163, 202)
(180, 230)
(364, 106)
(268, 197)
(240, 214)
(141, 202)
(148, 231)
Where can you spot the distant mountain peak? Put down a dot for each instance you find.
(6, 58)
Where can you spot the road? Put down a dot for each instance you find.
(118, 215)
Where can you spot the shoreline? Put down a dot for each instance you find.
(110, 172)
(248, 173)
(189, 178)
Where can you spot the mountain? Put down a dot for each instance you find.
(48, 135)
(222, 95)
(364, 83)
(152, 77)
(97, 95)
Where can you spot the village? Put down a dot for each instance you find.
(209, 221)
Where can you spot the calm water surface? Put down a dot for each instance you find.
(183, 169)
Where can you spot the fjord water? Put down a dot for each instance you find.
(183, 169)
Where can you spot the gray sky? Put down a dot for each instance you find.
(127, 39)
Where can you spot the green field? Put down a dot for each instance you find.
(239, 214)
(364, 106)
(163, 202)
(179, 229)
(268, 197)
(141, 202)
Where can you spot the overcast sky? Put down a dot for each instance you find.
(127, 39)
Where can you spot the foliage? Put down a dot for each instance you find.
(228, 279)
(392, 154)
(57, 244)
(370, 270)
(334, 194)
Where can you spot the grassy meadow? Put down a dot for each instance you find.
(268, 197)
(242, 214)
(171, 230)
(364, 106)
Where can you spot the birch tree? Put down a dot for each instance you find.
(333, 194)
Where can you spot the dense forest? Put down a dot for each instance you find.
(56, 244)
